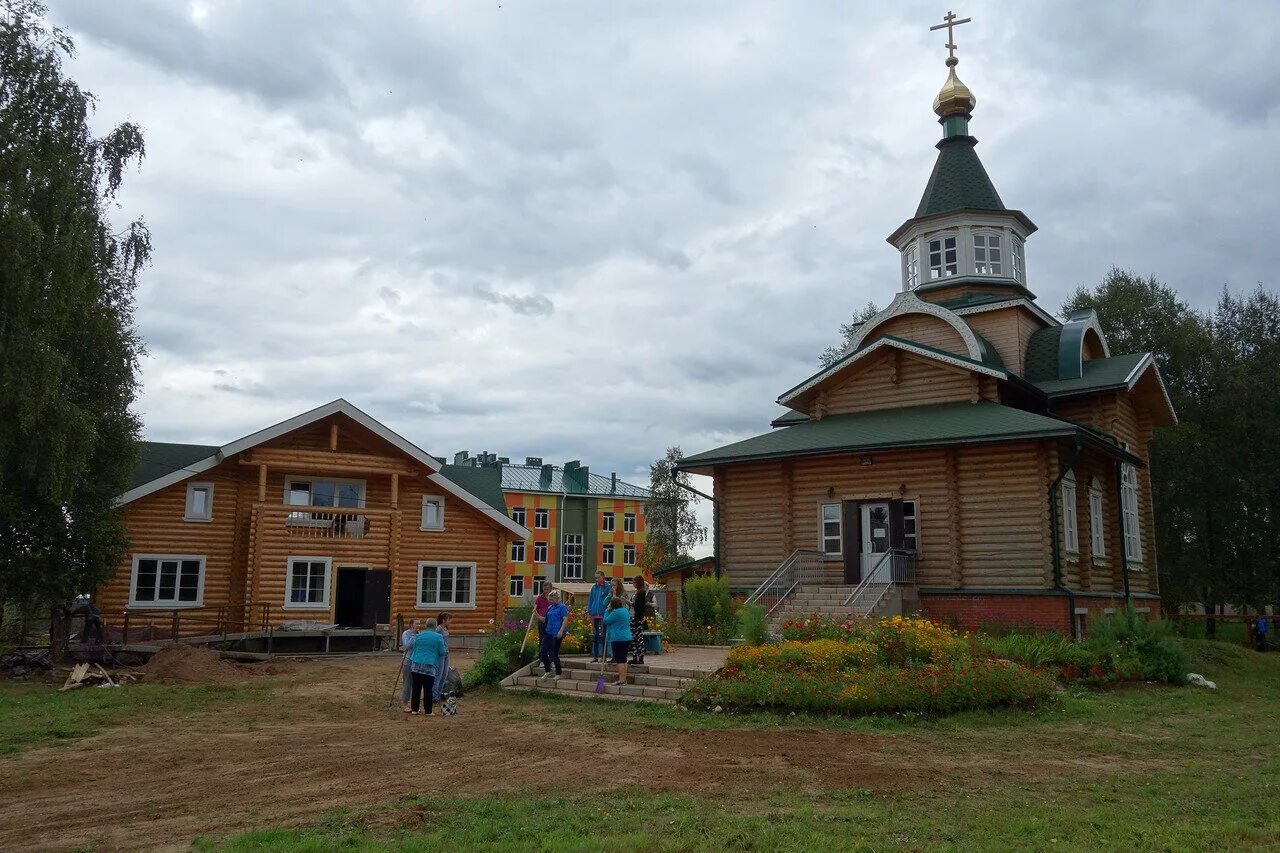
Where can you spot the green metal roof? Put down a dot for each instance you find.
(484, 483)
(917, 426)
(958, 181)
(1099, 374)
(789, 418)
(531, 478)
(158, 458)
(688, 564)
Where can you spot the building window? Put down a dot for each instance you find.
(629, 522)
(305, 491)
(571, 557)
(517, 552)
(606, 555)
(987, 257)
(515, 586)
(1129, 508)
(1070, 531)
(1018, 270)
(912, 261)
(910, 528)
(446, 585)
(537, 585)
(628, 555)
(432, 512)
(517, 515)
(541, 518)
(942, 257)
(307, 583)
(832, 533)
(539, 552)
(1097, 533)
(607, 522)
(199, 505)
(167, 581)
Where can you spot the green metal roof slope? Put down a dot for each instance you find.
(484, 483)
(917, 426)
(529, 478)
(158, 458)
(1099, 374)
(958, 181)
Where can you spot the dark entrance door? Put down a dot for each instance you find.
(377, 598)
(852, 545)
(348, 610)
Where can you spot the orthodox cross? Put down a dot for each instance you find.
(949, 26)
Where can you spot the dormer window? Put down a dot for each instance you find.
(987, 255)
(943, 259)
(1018, 270)
(912, 259)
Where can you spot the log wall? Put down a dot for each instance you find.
(1009, 330)
(896, 379)
(925, 329)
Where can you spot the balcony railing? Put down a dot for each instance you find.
(372, 524)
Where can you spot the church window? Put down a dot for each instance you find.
(1097, 532)
(1070, 530)
(910, 532)
(942, 257)
(832, 534)
(1129, 508)
(1018, 272)
(987, 254)
(913, 267)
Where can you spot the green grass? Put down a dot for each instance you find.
(1148, 768)
(33, 713)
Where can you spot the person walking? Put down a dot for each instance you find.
(442, 670)
(617, 633)
(1260, 629)
(556, 622)
(406, 664)
(639, 610)
(597, 604)
(428, 648)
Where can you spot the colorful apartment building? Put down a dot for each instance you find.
(578, 522)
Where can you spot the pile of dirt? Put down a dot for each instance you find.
(190, 665)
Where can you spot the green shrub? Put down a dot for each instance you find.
(682, 634)
(1150, 649)
(707, 602)
(752, 624)
(500, 655)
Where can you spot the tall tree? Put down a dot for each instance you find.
(831, 355)
(672, 525)
(68, 354)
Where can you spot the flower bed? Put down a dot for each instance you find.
(901, 640)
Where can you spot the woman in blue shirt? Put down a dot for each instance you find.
(557, 621)
(617, 633)
(428, 650)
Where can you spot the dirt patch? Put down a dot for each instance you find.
(186, 665)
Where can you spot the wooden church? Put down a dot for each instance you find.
(969, 455)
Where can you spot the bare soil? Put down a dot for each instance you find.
(322, 737)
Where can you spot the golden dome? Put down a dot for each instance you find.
(955, 97)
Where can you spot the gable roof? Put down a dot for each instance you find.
(940, 425)
(688, 564)
(484, 483)
(150, 475)
(552, 479)
(1119, 372)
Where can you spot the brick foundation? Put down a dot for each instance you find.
(1041, 612)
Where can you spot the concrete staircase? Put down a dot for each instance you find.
(876, 601)
(651, 682)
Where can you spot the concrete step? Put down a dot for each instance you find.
(566, 684)
(644, 679)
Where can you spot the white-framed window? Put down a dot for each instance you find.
(537, 585)
(1019, 270)
(988, 254)
(1070, 529)
(910, 526)
(571, 557)
(831, 527)
(167, 580)
(517, 515)
(628, 555)
(517, 552)
(608, 522)
(327, 491)
(1129, 509)
(446, 585)
(911, 261)
(628, 522)
(606, 554)
(943, 256)
(306, 583)
(199, 506)
(1097, 532)
(515, 586)
(432, 512)
(541, 518)
(539, 552)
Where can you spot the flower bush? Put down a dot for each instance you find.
(901, 640)
(817, 657)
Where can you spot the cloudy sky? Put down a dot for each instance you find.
(593, 230)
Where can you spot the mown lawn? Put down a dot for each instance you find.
(1202, 772)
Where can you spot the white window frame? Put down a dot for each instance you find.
(518, 515)
(445, 605)
(427, 500)
(543, 547)
(823, 538)
(914, 518)
(941, 240)
(629, 522)
(1097, 530)
(1129, 510)
(607, 554)
(608, 522)
(517, 551)
(541, 518)
(323, 604)
(1070, 521)
(987, 266)
(166, 604)
(515, 586)
(188, 512)
(290, 479)
(1015, 254)
(911, 266)
(569, 558)
(628, 555)
(537, 584)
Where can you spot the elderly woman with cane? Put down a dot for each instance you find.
(428, 650)
(406, 665)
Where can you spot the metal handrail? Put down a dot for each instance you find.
(769, 581)
(867, 578)
(790, 574)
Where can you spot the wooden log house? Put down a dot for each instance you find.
(998, 453)
(328, 517)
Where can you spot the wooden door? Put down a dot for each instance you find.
(852, 545)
